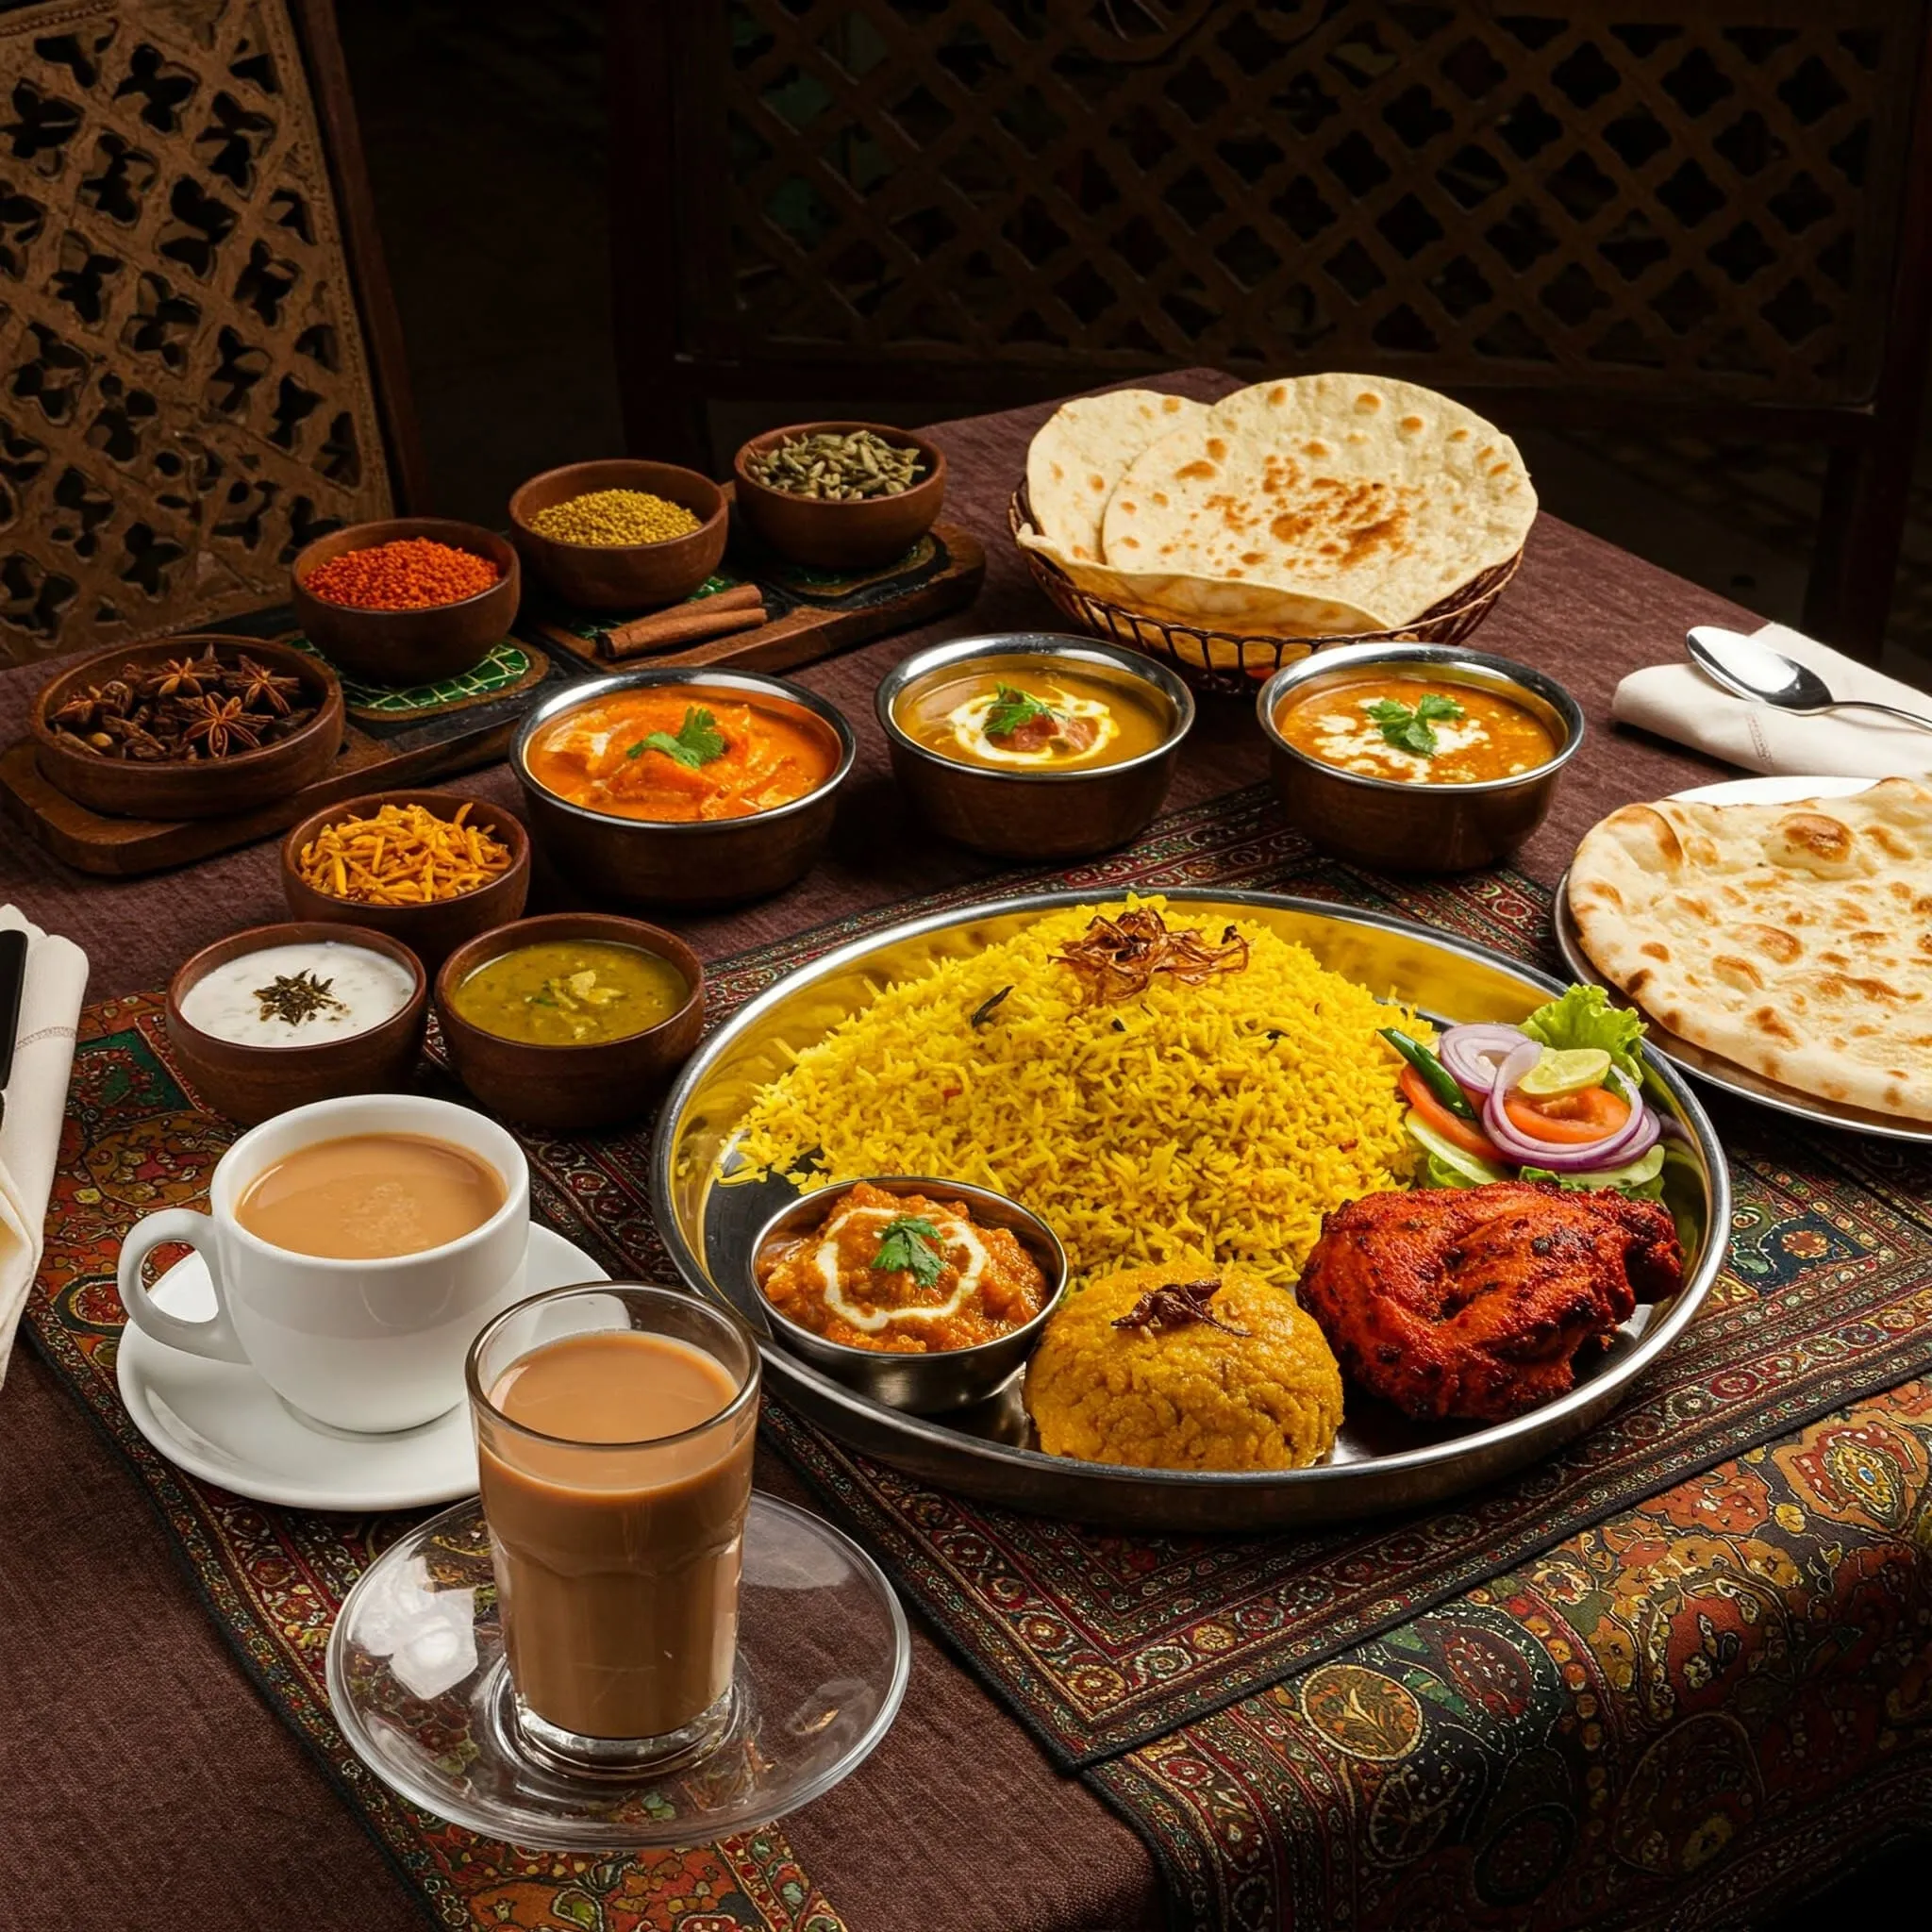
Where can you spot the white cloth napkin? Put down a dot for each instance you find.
(36, 1105)
(1678, 702)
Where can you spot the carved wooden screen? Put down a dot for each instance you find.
(1685, 196)
(184, 390)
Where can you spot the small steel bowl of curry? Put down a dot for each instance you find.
(1417, 758)
(924, 1294)
(1034, 745)
(685, 788)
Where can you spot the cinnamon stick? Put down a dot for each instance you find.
(739, 597)
(710, 617)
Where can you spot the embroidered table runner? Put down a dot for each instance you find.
(1160, 1662)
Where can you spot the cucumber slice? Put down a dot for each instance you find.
(1472, 1169)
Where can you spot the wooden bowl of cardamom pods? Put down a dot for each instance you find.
(839, 495)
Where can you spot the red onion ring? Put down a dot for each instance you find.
(1473, 1054)
(1637, 1135)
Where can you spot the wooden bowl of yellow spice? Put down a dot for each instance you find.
(432, 869)
(622, 535)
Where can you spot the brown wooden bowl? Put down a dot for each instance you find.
(600, 1084)
(623, 577)
(841, 536)
(253, 1083)
(208, 788)
(405, 647)
(432, 931)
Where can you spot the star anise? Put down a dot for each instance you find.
(79, 712)
(183, 676)
(217, 727)
(260, 689)
(1117, 959)
(1175, 1305)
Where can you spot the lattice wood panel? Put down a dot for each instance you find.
(185, 396)
(1694, 197)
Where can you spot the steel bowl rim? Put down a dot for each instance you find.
(933, 1433)
(1038, 643)
(862, 1358)
(1348, 656)
(590, 689)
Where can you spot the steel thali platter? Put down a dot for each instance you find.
(1380, 1462)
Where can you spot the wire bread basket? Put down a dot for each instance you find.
(1232, 663)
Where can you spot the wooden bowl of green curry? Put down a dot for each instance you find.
(574, 1020)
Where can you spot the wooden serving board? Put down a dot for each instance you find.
(401, 738)
(814, 614)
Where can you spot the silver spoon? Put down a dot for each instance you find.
(1754, 670)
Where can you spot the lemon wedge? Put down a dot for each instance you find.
(1565, 1072)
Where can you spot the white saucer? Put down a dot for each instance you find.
(219, 1421)
(1775, 790)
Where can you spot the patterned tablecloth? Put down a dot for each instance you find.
(1670, 1672)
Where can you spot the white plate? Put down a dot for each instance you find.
(1775, 790)
(219, 1421)
(1699, 1062)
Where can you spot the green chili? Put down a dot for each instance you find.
(1435, 1076)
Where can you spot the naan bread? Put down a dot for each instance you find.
(1072, 467)
(1794, 940)
(1369, 493)
(1211, 603)
(1081, 453)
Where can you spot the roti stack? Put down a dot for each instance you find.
(1316, 505)
(1793, 940)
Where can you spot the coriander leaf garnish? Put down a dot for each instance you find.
(910, 1244)
(698, 741)
(1408, 729)
(1013, 708)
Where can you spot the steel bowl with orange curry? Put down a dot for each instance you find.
(679, 753)
(905, 1274)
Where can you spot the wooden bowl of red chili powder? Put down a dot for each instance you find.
(408, 600)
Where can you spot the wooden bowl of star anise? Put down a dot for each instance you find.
(190, 727)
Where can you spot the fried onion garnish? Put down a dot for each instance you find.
(1117, 959)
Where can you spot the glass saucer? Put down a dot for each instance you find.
(418, 1683)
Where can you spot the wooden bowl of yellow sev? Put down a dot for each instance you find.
(431, 869)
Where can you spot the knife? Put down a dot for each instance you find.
(12, 984)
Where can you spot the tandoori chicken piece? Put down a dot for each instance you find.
(1474, 1302)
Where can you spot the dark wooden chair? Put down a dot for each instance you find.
(1714, 216)
(200, 367)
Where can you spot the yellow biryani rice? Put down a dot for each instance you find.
(1217, 1121)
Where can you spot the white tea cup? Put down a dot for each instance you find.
(364, 1345)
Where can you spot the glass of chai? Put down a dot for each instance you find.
(614, 1429)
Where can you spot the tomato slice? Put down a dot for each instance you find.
(1570, 1120)
(1465, 1134)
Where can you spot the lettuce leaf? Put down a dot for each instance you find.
(1585, 1017)
(1643, 1178)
